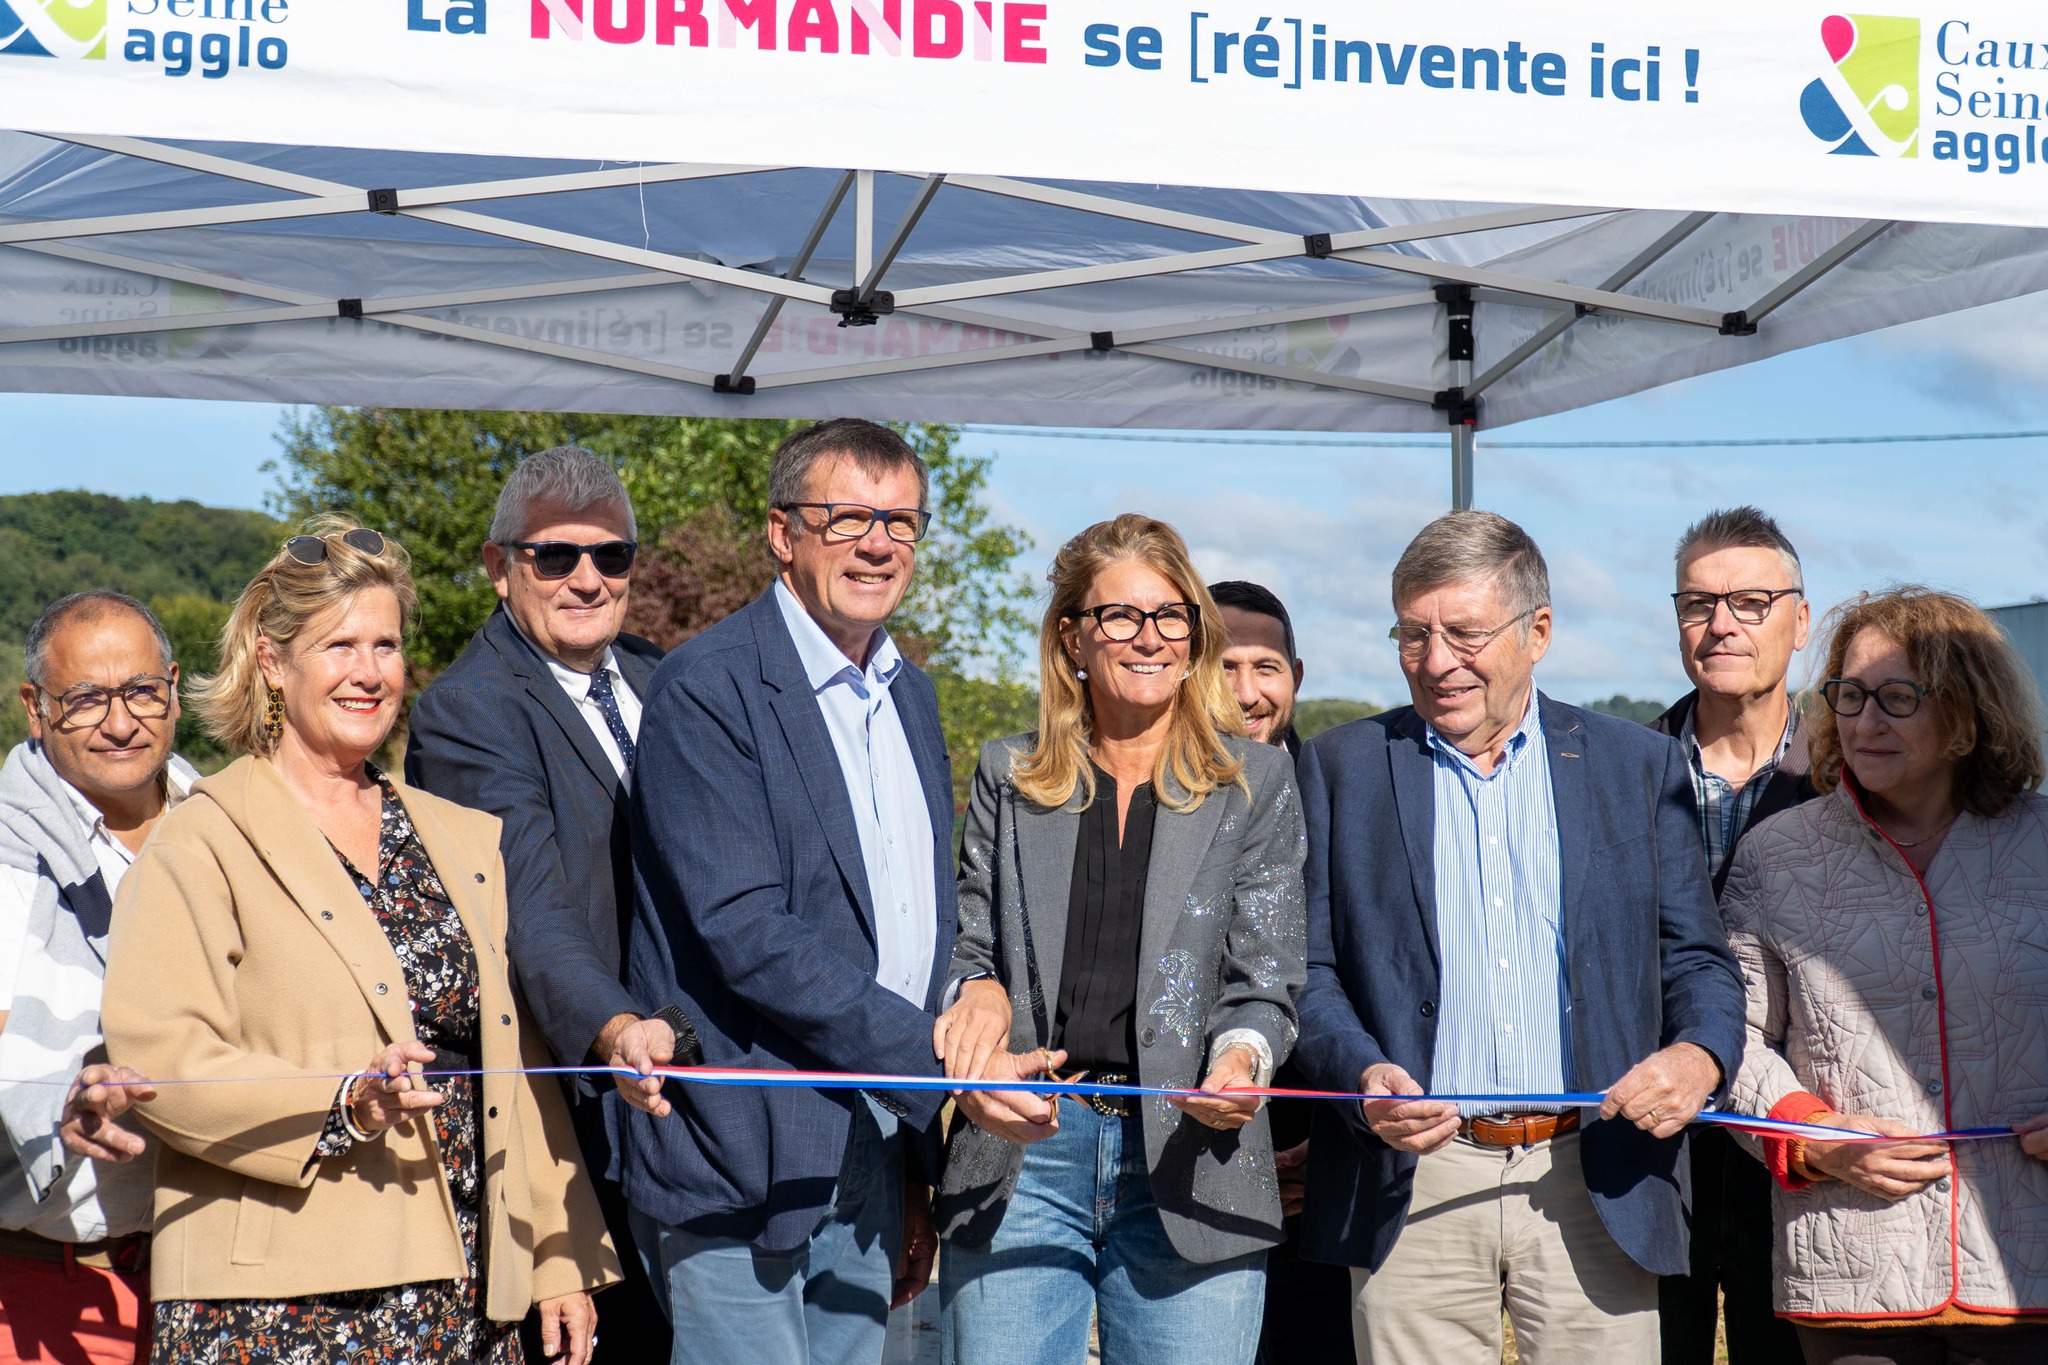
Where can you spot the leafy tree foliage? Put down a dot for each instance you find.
(1312, 716)
(1642, 712)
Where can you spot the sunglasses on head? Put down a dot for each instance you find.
(313, 549)
(558, 558)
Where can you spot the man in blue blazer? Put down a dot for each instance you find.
(792, 841)
(535, 723)
(1505, 898)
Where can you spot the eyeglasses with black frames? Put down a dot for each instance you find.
(313, 549)
(1748, 605)
(146, 698)
(1120, 621)
(853, 520)
(559, 558)
(1896, 697)
(1412, 640)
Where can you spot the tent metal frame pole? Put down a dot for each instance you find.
(1461, 468)
(1812, 272)
(1620, 279)
(733, 378)
(871, 278)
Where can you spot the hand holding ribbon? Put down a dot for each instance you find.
(1234, 1070)
(99, 1096)
(1665, 1091)
(1420, 1126)
(387, 1093)
(1889, 1170)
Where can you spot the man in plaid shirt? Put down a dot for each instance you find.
(1742, 614)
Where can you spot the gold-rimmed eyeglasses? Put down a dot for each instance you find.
(1464, 641)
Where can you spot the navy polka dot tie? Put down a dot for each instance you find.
(608, 704)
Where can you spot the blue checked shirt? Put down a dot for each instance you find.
(1505, 1004)
(1723, 810)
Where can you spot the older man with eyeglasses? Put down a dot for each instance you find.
(77, 800)
(1742, 615)
(1506, 900)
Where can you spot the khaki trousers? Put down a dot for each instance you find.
(1492, 1227)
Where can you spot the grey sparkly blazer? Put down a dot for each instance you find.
(1221, 948)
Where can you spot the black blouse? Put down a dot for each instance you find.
(1105, 912)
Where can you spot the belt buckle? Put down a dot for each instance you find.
(1109, 1106)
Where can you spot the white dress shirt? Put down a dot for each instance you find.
(887, 793)
(576, 686)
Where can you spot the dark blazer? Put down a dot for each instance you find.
(1788, 787)
(752, 912)
(1647, 961)
(496, 731)
(1220, 950)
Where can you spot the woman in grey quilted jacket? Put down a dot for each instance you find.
(1893, 937)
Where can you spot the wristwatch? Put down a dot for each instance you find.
(689, 1051)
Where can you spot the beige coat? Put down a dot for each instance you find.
(240, 948)
(1930, 1009)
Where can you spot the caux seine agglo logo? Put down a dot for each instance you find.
(1868, 101)
(53, 28)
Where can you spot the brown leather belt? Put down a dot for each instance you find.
(129, 1255)
(1523, 1130)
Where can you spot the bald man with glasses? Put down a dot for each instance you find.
(77, 801)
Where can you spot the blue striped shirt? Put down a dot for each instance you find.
(1504, 1007)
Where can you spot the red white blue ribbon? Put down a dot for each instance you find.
(859, 1080)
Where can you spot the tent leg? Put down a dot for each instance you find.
(1461, 468)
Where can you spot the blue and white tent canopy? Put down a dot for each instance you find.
(295, 274)
(1373, 218)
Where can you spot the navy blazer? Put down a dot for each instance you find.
(752, 912)
(497, 732)
(1647, 960)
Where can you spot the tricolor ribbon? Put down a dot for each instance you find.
(859, 1080)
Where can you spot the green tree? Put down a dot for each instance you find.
(1312, 716)
(1628, 708)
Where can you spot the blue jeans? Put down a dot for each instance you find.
(1081, 1239)
(825, 1302)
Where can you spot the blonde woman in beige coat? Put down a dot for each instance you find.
(1893, 937)
(301, 917)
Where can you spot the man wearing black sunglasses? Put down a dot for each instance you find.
(1742, 615)
(537, 722)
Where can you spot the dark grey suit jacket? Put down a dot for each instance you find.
(496, 731)
(1221, 948)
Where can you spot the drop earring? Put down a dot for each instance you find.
(273, 716)
(1081, 675)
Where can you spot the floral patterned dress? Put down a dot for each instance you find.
(407, 1324)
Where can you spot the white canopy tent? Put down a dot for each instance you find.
(178, 264)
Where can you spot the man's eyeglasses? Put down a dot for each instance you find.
(1748, 605)
(313, 549)
(1464, 641)
(559, 558)
(852, 520)
(1120, 621)
(1897, 698)
(84, 706)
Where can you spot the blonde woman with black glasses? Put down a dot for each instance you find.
(299, 918)
(1131, 904)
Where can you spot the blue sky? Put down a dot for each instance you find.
(1323, 526)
